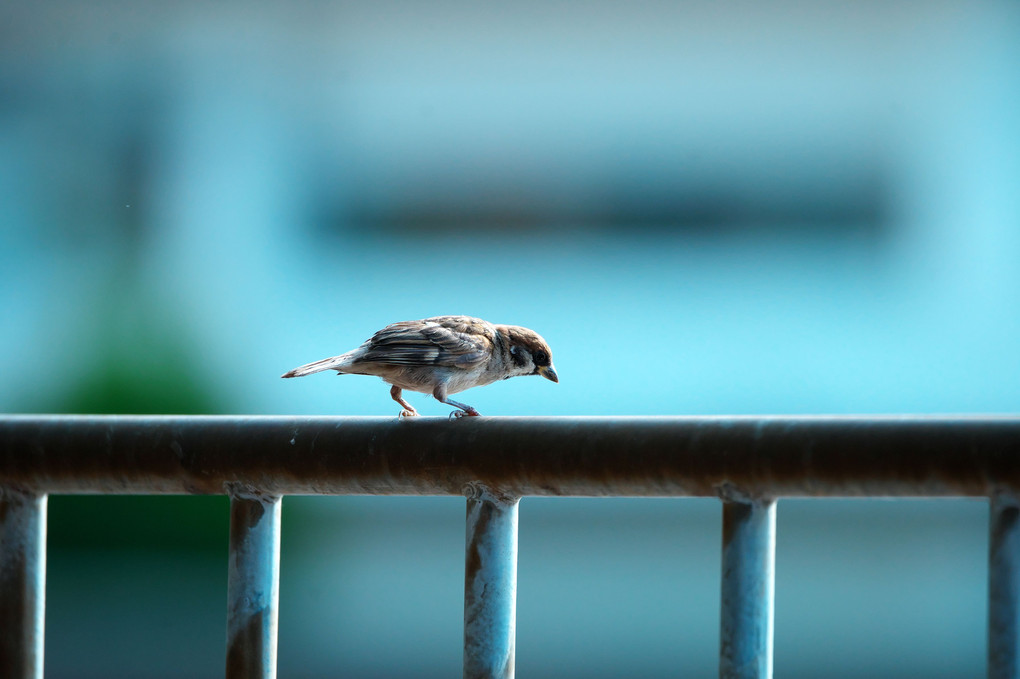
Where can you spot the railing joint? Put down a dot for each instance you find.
(731, 492)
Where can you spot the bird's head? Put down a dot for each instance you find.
(529, 353)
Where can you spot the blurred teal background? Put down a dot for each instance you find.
(705, 208)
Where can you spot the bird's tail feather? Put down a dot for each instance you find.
(332, 363)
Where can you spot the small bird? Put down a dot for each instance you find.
(441, 356)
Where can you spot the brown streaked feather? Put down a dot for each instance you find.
(450, 341)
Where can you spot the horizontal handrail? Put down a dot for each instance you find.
(731, 457)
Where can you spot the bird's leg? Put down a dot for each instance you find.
(408, 411)
(465, 410)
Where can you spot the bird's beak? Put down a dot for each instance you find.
(549, 373)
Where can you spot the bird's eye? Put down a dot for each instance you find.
(541, 358)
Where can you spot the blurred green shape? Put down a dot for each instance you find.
(150, 523)
(139, 361)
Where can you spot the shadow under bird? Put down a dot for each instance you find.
(441, 356)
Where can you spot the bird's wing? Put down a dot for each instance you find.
(451, 341)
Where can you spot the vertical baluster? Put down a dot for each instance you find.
(253, 585)
(22, 583)
(490, 585)
(748, 589)
(1003, 587)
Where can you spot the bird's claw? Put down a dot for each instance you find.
(457, 414)
(407, 413)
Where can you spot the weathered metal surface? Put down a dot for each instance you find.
(671, 456)
(1004, 587)
(253, 585)
(490, 584)
(748, 586)
(22, 583)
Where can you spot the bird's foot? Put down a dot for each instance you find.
(408, 412)
(470, 412)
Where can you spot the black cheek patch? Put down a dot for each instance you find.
(517, 356)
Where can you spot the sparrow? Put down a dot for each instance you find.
(441, 356)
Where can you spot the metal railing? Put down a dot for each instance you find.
(747, 462)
